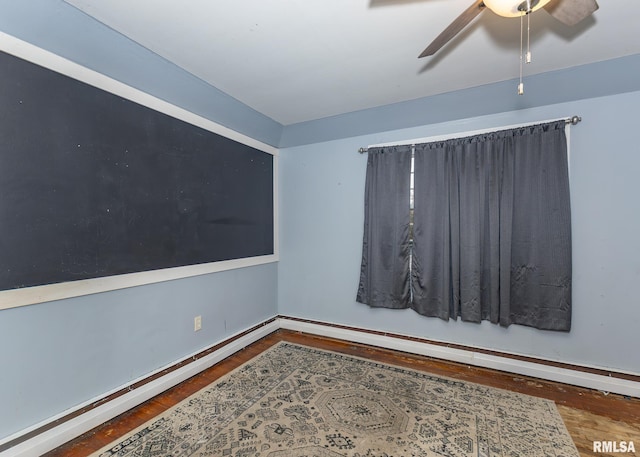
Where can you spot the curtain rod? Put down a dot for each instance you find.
(573, 120)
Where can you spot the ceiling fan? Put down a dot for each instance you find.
(569, 12)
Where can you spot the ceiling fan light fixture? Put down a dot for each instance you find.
(514, 8)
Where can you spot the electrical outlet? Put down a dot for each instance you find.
(197, 323)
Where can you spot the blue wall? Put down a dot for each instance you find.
(585, 81)
(56, 355)
(321, 210)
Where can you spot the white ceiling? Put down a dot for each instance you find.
(300, 60)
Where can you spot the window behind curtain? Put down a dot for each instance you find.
(491, 229)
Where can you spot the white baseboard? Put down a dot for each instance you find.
(469, 357)
(68, 430)
(75, 427)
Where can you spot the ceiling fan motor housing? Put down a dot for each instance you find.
(569, 12)
(514, 8)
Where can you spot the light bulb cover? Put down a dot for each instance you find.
(512, 8)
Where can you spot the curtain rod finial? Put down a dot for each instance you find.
(575, 119)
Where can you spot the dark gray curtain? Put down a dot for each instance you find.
(384, 273)
(492, 230)
(462, 227)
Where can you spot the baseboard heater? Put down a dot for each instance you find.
(589, 377)
(68, 425)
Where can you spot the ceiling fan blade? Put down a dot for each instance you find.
(454, 28)
(571, 12)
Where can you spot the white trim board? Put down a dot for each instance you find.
(75, 427)
(31, 53)
(38, 294)
(14, 298)
(469, 357)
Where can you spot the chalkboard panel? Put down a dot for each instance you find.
(94, 185)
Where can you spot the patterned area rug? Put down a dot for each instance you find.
(296, 401)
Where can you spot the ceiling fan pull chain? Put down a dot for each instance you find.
(528, 59)
(521, 84)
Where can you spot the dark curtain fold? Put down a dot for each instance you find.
(491, 233)
(492, 228)
(461, 224)
(541, 230)
(384, 273)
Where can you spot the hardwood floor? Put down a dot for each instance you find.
(589, 415)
